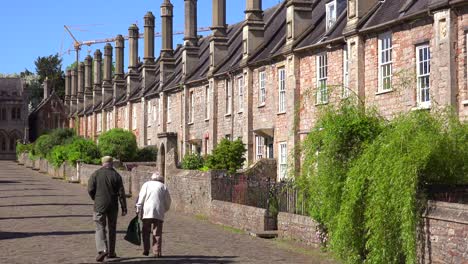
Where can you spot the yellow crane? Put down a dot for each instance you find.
(77, 44)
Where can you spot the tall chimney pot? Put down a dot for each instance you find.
(133, 35)
(119, 56)
(149, 38)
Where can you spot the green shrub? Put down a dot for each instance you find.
(147, 154)
(80, 149)
(23, 148)
(83, 150)
(228, 155)
(383, 197)
(45, 143)
(337, 139)
(118, 143)
(58, 155)
(192, 162)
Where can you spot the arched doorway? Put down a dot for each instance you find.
(162, 161)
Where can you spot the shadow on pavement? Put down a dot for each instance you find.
(44, 216)
(177, 259)
(6, 182)
(29, 189)
(45, 204)
(38, 195)
(16, 235)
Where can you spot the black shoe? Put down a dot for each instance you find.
(101, 256)
(145, 253)
(112, 256)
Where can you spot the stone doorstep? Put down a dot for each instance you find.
(264, 234)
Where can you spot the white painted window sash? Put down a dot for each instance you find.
(262, 90)
(322, 77)
(385, 62)
(281, 90)
(423, 71)
(240, 86)
(345, 92)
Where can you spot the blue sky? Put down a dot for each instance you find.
(34, 28)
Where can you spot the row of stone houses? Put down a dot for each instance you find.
(263, 80)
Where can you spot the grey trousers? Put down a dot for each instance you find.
(102, 220)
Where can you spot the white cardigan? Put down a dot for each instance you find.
(155, 200)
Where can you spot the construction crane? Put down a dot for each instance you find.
(77, 44)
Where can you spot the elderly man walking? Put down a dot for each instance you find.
(153, 202)
(106, 188)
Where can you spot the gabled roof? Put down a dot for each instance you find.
(45, 101)
(203, 66)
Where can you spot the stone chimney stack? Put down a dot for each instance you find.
(218, 41)
(74, 88)
(132, 77)
(149, 67)
(167, 61)
(253, 30)
(119, 76)
(107, 91)
(119, 57)
(80, 94)
(298, 19)
(68, 89)
(133, 35)
(88, 92)
(149, 38)
(191, 49)
(97, 93)
(46, 87)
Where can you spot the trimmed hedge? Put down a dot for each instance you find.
(118, 143)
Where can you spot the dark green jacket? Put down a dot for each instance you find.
(106, 188)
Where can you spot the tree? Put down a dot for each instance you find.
(50, 67)
(228, 155)
(118, 143)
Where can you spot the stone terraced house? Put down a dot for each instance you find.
(263, 79)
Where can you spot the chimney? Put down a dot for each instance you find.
(167, 61)
(74, 87)
(133, 46)
(68, 89)
(218, 41)
(97, 93)
(253, 30)
(357, 9)
(88, 92)
(298, 19)
(46, 88)
(119, 57)
(80, 94)
(132, 77)
(190, 57)
(149, 38)
(106, 89)
(149, 67)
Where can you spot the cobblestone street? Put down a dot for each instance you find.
(43, 220)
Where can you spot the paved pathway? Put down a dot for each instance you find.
(50, 221)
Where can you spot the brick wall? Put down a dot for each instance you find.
(200, 126)
(297, 227)
(238, 216)
(446, 233)
(462, 63)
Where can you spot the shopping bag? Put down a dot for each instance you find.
(133, 232)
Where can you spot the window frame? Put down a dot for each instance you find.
(207, 101)
(262, 88)
(420, 76)
(240, 89)
(134, 118)
(282, 160)
(322, 78)
(191, 107)
(149, 108)
(259, 147)
(228, 97)
(281, 90)
(330, 20)
(387, 53)
(169, 108)
(345, 92)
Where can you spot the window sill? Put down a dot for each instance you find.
(261, 105)
(321, 103)
(281, 113)
(421, 107)
(207, 119)
(240, 112)
(384, 92)
(227, 115)
(168, 122)
(465, 102)
(189, 123)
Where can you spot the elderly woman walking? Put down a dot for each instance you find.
(153, 202)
